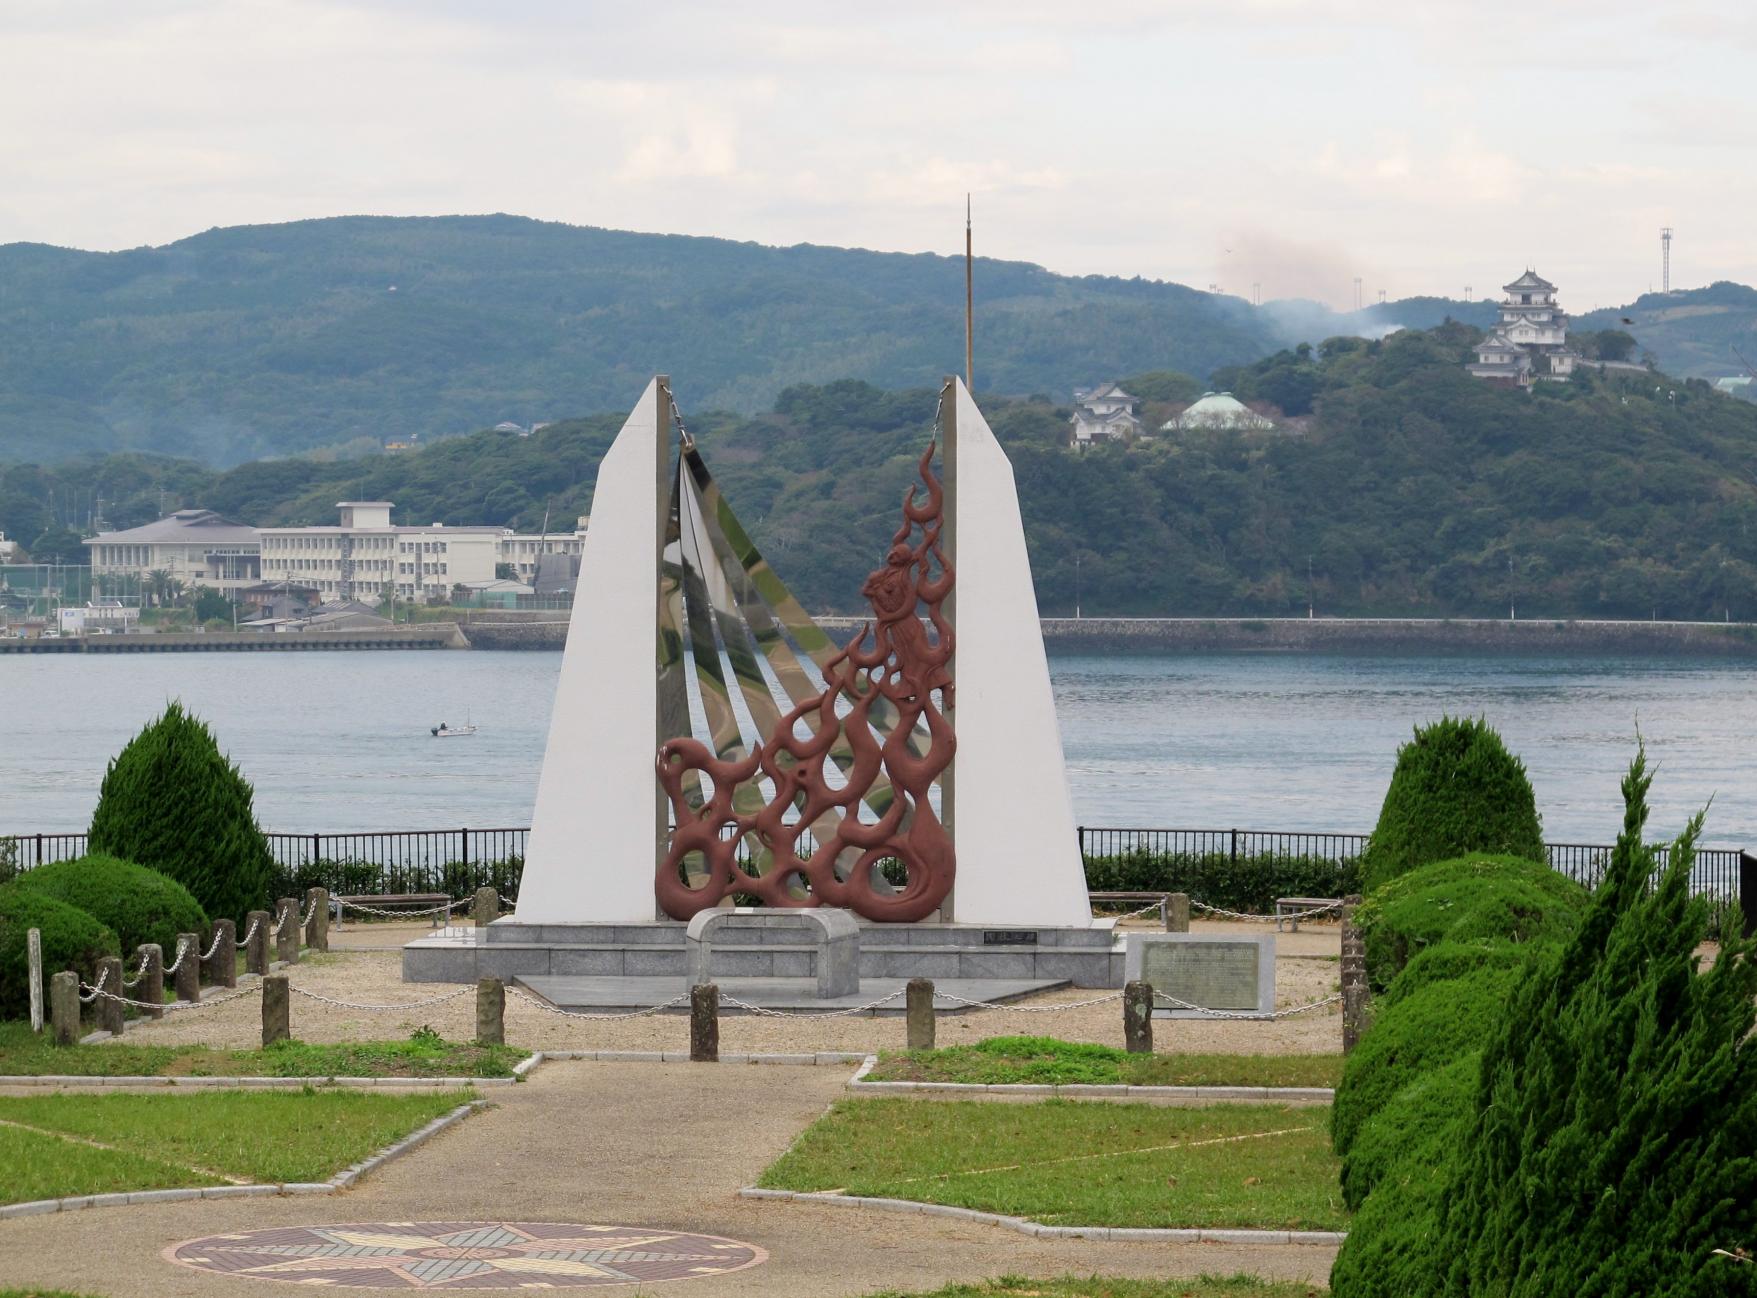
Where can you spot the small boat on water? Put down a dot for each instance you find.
(443, 731)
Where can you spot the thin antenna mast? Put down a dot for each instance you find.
(969, 304)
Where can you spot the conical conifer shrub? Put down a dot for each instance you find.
(1614, 1144)
(171, 800)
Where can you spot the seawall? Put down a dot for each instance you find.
(427, 635)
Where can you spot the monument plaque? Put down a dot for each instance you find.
(1215, 971)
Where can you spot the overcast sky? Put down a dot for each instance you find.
(1422, 146)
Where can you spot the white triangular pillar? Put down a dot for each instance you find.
(599, 817)
(1012, 817)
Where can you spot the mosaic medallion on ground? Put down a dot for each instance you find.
(465, 1255)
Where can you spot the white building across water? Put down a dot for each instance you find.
(365, 557)
(196, 547)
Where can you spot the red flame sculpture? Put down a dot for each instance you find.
(894, 661)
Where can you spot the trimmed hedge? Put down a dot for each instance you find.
(1445, 961)
(172, 801)
(1473, 898)
(1425, 1030)
(1455, 789)
(136, 904)
(1420, 1125)
(72, 939)
(1250, 883)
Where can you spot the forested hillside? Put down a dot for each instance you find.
(243, 343)
(1413, 489)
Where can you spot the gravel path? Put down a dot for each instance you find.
(616, 1144)
(364, 965)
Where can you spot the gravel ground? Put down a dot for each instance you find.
(364, 965)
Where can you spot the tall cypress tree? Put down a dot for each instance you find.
(1614, 1144)
(171, 800)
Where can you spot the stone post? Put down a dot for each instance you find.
(1138, 1018)
(221, 968)
(275, 1000)
(484, 907)
(704, 1023)
(64, 1007)
(1177, 913)
(189, 969)
(1354, 976)
(256, 925)
(317, 927)
(151, 987)
(33, 960)
(109, 1011)
(490, 1012)
(919, 1013)
(287, 936)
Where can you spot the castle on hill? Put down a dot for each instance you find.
(1531, 341)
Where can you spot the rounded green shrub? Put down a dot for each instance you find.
(1447, 960)
(1472, 898)
(135, 903)
(1419, 1125)
(72, 939)
(172, 801)
(1455, 789)
(1424, 1030)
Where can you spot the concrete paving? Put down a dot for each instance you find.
(663, 1145)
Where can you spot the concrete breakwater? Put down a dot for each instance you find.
(429, 635)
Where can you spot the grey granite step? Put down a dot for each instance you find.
(609, 995)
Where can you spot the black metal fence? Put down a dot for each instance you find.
(458, 861)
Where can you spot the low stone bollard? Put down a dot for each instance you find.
(275, 1009)
(1354, 976)
(287, 934)
(256, 926)
(1177, 913)
(918, 1011)
(64, 1007)
(704, 1023)
(484, 907)
(109, 1010)
(33, 959)
(189, 968)
(1138, 1018)
(317, 927)
(490, 1012)
(220, 969)
(151, 987)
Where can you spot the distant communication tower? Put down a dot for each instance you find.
(1467, 293)
(1665, 259)
(1381, 297)
(1256, 293)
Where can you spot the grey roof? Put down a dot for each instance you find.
(189, 526)
(1530, 279)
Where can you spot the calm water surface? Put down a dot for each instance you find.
(339, 741)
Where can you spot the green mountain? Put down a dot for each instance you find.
(256, 341)
(1407, 487)
(1695, 332)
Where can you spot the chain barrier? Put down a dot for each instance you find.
(251, 931)
(171, 1006)
(138, 973)
(1265, 919)
(212, 950)
(1027, 1009)
(401, 914)
(571, 1014)
(97, 991)
(183, 945)
(764, 1011)
(358, 1005)
(1152, 905)
(1205, 1012)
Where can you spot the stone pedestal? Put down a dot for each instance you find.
(276, 1016)
(918, 1002)
(1138, 1018)
(64, 1007)
(484, 907)
(704, 1024)
(109, 1011)
(828, 938)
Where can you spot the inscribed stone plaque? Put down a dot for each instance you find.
(1214, 971)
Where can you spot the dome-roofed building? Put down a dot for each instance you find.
(1217, 410)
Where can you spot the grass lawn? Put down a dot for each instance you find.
(1208, 1286)
(37, 1293)
(158, 1142)
(1047, 1061)
(24, 1053)
(1069, 1163)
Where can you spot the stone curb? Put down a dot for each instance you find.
(823, 1057)
(258, 1083)
(1115, 1234)
(1213, 1094)
(340, 1181)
